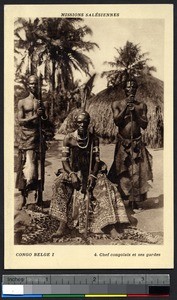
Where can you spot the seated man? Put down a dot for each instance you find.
(80, 149)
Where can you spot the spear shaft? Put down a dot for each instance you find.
(87, 192)
(132, 162)
(41, 176)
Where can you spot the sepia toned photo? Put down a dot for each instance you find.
(90, 153)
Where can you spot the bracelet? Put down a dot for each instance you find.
(71, 173)
(93, 176)
(44, 119)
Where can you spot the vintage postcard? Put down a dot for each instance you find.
(88, 107)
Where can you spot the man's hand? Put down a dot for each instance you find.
(130, 105)
(130, 102)
(75, 181)
(41, 111)
(91, 183)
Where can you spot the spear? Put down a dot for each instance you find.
(87, 91)
(87, 194)
(132, 162)
(41, 172)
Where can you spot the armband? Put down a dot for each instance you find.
(65, 149)
(65, 153)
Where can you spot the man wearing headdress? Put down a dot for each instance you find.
(80, 148)
(132, 166)
(31, 155)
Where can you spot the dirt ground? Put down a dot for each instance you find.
(147, 220)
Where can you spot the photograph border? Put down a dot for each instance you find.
(105, 264)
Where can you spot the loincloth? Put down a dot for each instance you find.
(28, 138)
(132, 168)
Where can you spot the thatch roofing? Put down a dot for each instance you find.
(99, 107)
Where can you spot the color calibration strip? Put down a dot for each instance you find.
(87, 296)
(157, 291)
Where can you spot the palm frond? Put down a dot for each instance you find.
(129, 62)
(112, 64)
(109, 73)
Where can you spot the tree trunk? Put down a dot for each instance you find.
(53, 88)
(33, 68)
(29, 64)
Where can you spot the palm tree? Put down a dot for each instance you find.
(64, 46)
(57, 44)
(130, 62)
(26, 44)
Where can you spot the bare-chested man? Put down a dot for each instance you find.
(31, 111)
(132, 165)
(79, 147)
(75, 160)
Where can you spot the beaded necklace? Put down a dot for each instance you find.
(82, 139)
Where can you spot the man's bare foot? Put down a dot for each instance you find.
(57, 234)
(114, 234)
(21, 202)
(61, 230)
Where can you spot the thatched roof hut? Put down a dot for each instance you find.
(99, 107)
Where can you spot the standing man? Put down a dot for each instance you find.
(132, 165)
(32, 114)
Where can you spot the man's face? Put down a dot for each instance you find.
(32, 85)
(130, 89)
(82, 124)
